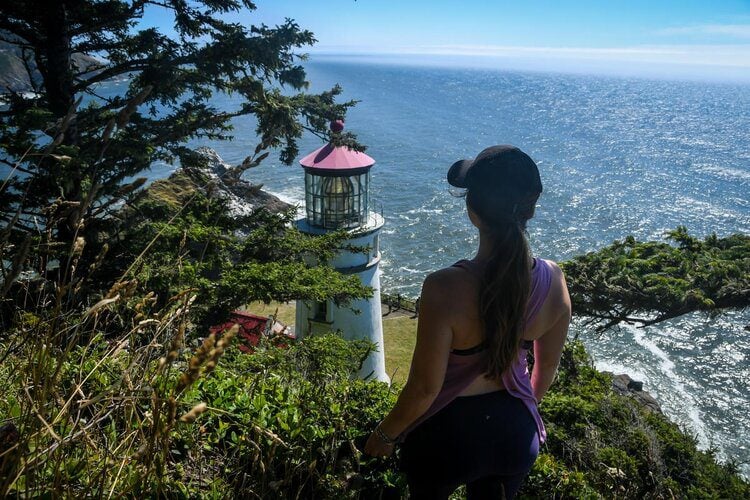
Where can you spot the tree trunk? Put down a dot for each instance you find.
(57, 69)
(57, 72)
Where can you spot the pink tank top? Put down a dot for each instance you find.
(464, 368)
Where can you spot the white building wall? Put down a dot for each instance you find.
(363, 318)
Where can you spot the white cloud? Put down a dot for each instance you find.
(702, 62)
(708, 55)
(741, 31)
(736, 56)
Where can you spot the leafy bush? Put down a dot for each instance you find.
(122, 418)
(293, 421)
(605, 445)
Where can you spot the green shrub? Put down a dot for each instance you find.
(603, 444)
(160, 419)
(549, 478)
(294, 421)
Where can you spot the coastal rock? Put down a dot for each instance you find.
(626, 386)
(14, 76)
(242, 196)
(206, 171)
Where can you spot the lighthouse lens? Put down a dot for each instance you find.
(334, 202)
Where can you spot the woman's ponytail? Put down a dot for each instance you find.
(502, 186)
(506, 284)
(504, 292)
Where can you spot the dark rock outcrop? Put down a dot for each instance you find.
(15, 78)
(205, 171)
(626, 386)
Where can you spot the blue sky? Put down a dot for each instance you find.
(698, 37)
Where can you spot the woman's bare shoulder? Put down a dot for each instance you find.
(556, 305)
(445, 296)
(440, 280)
(445, 285)
(558, 292)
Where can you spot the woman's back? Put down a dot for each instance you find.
(463, 282)
(468, 412)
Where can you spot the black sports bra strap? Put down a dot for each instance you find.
(471, 350)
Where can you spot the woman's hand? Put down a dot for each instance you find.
(377, 447)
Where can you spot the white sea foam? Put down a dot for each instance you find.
(725, 172)
(686, 400)
(607, 365)
(409, 270)
(425, 211)
(667, 365)
(293, 196)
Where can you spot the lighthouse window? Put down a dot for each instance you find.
(313, 199)
(338, 191)
(336, 201)
(321, 311)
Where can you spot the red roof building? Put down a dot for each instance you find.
(252, 328)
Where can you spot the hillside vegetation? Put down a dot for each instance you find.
(128, 395)
(111, 384)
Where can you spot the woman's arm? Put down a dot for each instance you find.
(548, 348)
(429, 362)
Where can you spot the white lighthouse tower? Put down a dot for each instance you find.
(337, 181)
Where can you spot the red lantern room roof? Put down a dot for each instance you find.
(336, 158)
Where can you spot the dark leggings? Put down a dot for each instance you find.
(487, 442)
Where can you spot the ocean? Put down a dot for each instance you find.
(617, 156)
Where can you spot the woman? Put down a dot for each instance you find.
(468, 412)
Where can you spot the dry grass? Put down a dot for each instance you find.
(108, 404)
(91, 392)
(173, 191)
(399, 336)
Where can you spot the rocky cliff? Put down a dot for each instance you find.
(207, 172)
(15, 78)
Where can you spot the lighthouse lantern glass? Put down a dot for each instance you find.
(336, 201)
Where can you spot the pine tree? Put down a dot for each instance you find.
(73, 155)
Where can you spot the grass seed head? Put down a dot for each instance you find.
(190, 416)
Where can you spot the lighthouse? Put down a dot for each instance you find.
(337, 182)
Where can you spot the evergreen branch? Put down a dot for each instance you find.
(629, 279)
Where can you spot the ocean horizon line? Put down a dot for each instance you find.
(637, 62)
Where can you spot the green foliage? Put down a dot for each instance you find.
(163, 420)
(551, 479)
(71, 151)
(604, 445)
(80, 407)
(630, 280)
(284, 421)
(306, 416)
(228, 261)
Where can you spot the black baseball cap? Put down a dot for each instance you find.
(503, 164)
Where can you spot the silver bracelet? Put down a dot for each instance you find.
(383, 436)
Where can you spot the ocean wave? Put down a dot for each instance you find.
(723, 172)
(687, 404)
